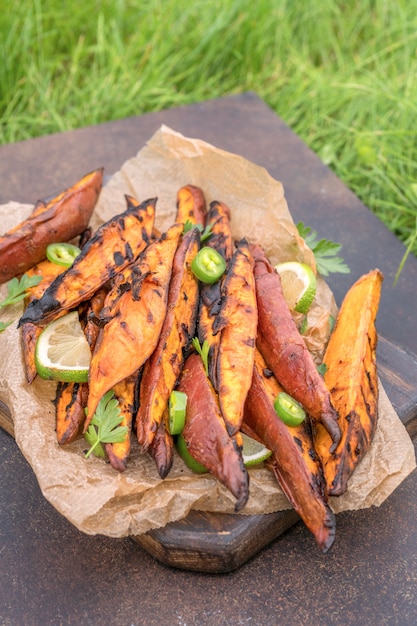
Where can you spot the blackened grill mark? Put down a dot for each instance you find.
(298, 442)
(128, 252)
(98, 321)
(118, 258)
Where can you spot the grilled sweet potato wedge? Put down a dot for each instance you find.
(131, 335)
(125, 392)
(163, 368)
(218, 218)
(70, 404)
(294, 463)
(206, 435)
(161, 448)
(71, 398)
(61, 219)
(191, 205)
(30, 332)
(285, 352)
(237, 323)
(351, 376)
(114, 245)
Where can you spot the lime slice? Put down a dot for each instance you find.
(299, 285)
(62, 351)
(253, 452)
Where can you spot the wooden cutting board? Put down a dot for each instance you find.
(221, 542)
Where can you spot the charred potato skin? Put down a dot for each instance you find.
(59, 220)
(351, 375)
(294, 462)
(285, 351)
(237, 323)
(191, 205)
(206, 435)
(163, 368)
(114, 245)
(128, 339)
(218, 218)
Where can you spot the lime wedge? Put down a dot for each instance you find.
(62, 351)
(299, 285)
(253, 452)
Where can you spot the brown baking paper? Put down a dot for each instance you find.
(88, 492)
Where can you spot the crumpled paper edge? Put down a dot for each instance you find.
(89, 493)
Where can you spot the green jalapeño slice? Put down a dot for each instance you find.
(177, 407)
(289, 410)
(187, 457)
(208, 265)
(62, 253)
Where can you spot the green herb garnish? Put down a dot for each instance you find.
(16, 291)
(105, 426)
(322, 368)
(205, 232)
(203, 351)
(325, 252)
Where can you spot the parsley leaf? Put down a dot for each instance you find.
(205, 232)
(203, 351)
(16, 291)
(325, 252)
(105, 426)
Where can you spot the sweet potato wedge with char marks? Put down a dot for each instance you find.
(61, 219)
(30, 332)
(71, 398)
(125, 392)
(206, 435)
(163, 368)
(284, 349)
(114, 245)
(237, 323)
(91, 313)
(295, 465)
(161, 449)
(191, 205)
(218, 217)
(70, 403)
(131, 335)
(351, 376)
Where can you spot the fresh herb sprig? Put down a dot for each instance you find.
(105, 426)
(16, 289)
(205, 232)
(16, 292)
(325, 252)
(203, 351)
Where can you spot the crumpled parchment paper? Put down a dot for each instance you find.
(88, 492)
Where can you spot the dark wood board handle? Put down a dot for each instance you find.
(221, 542)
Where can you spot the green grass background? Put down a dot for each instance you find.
(342, 74)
